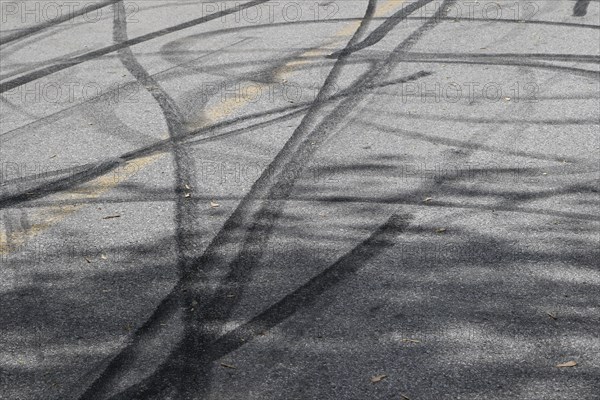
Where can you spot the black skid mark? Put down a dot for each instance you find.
(186, 212)
(199, 363)
(40, 73)
(580, 8)
(251, 224)
(48, 24)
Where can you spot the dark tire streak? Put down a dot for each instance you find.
(301, 298)
(241, 29)
(240, 227)
(32, 76)
(89, 172)
(495, 61)
(580, 8)
(374, 55)
(464, 144)
(187, 369)
(307, 295)
(259, 232)
(512, 60)
(384, 28)
(107, 95)
(88, 56)
(584, 58)
(186, 213)
(292, 112)
(253, 228)
(301, 108)
(48, 24)
(184, 162)
(15, 69)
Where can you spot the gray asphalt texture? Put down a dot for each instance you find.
(300, 200)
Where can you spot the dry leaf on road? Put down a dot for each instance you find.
(567, 364)
(378, 378)
(214, 204)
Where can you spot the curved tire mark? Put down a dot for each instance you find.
(32, 76)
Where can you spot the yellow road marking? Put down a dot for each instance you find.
(44, 218)
(47, 216)
(229, 106)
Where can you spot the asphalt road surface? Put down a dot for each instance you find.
(346, 200)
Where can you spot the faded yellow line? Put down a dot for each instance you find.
(43, 219)
(229, 106)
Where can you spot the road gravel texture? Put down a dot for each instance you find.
(289, 200)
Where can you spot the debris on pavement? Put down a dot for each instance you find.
(566, 364)
(378, 378)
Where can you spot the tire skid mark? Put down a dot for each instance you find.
(229, 106)
(251, 225)
(186, 211)
(90, 173)
(505, 121)
(437, 186)
(32, 76)
(381, 31)
(584, 58)
(230, 235)
(230, 30)
(163, 312)
(126, 160)
(580, 8)
(18, 109)
(495, 61)
(338, 20)
(280, 310)
(466, 144)
(417, 197)
(301, 108)
(98, 181)
(252, 228)
(261, 224)
(164, 145)
(479, 59)
(307, 295)
(131, 162)
(97, 53)
(59, 114)
(19, 68)
(519, 21)
(95, 174)
(302, 297)
(48, 24)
